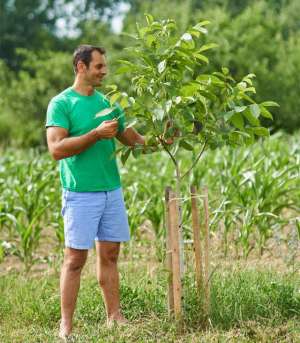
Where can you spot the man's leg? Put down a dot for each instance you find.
(108, 278)
(74, 261)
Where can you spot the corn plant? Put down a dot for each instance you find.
(254, 192)
(27, 201)
(255, 186)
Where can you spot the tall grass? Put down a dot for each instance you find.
(238, 297)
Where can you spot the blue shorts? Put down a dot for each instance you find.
(90, 216)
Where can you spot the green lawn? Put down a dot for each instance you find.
(247, 305)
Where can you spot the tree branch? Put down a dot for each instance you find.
(196, 161)
(167, 150)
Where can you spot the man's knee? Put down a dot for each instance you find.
(75, 261)
(110, 255)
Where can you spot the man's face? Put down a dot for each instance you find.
(96, 71)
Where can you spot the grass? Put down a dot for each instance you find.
(247, 305)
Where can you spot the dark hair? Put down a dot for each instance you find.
(84, 53)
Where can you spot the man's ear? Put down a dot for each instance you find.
(81, 67)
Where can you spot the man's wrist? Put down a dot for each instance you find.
(95, 135)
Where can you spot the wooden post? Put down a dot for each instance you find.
(174, 227)
(206, 252)
(169, 253)
(197, 239)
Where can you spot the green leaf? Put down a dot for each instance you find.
(261, 131)
(238, 121)
(246, 97)
(113, 88)
(136, 151)
(150, 39)
(199, 27)
(297, 221)
(207, 47)
(250, 76)
(228, 115)
(210, 79)
(225, 70)
(115, 98)
(189, 89)
(195, 33)
(143, 31)
(168, 106)
(242, 133)
(105, 112)
(250, 89)
(124, 103)
(149, 18)
(251, 139)
(178, 100)
(161, 66)
(255, 110)
(265, 113)
(123, 70)
(1, 254)
(201, 57)
(116, 152)
(186, 41)
(242, 85)
(209, 95)
(188, 115)
(251, 118)
(171, 25)
(234, 138)
(201, 23)
(131, 123)
(158, 114)
(269, 104)
(239, 108)
(185, 145)
(126, 63)
(249, 81)
(129, 35)
(186, 37)
(125, 155)
(223, 77)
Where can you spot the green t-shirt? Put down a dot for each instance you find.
(94, 169)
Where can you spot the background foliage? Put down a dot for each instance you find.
(35, 64)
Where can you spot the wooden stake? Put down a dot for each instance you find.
(169, 253)
(197, 239)
(206, 252)
(174, 226)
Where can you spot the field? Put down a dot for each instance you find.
(254, 213)
(216, 108)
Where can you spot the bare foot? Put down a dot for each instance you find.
(64, 331)
(116, 318)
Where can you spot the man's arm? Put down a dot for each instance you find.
(130, 137)
(61, 146)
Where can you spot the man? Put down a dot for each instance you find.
(93, 206)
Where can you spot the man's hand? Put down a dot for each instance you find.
(130, 137)
(107, 129)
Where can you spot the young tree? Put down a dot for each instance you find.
(174, 102)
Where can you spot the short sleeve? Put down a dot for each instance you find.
(121, 115)
(57, 114)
